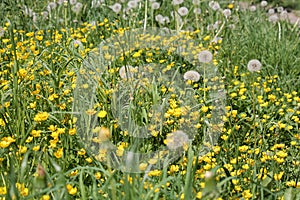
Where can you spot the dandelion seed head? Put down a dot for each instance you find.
(132, 4)
(183, 11)
(205, 56)
(214, 5)
(252, 8)
(273, 18)
(271, 11)
(126, 72)
(227, 12)
(279, 9)
(155, 5)
(177, 2)
(263, 3)
(254, 65)
(51, 6)
(197, 11)
(73, 2)
(116, 7)
(196, 2)
(177, 139)
(191, 75)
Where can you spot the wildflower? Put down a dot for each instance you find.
(116, 7)
(42, 116)
(72, 131)
(77, 7)
(132, 4)
(247, 194)
(126, 71)
(2, 31)
(277, 177)
(102, 114)
(176, 139)
(59, 153)
(227, 12)
(205, 56)
(154, 173)
(73, 2)
(196, 2)
(214, 5)
(191, 75)
(6, 141)
(183, 11)
(254, 65)
(271, 11)
(143, 166)
(263, 3)
(3, 190)
(197, 11)
(252, 8)
(177, 2)
(51, 6)
(155, 5)
(273, 18)
(71, 190)
(22, 189)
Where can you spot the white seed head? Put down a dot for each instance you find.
(191, 75)
(252, 8)
(126, 72)
(177, 2)
(271, 11)
(205, 56)
(177, 139)
(116, 7)
(227, 12)
(132, 4)
(183, 11)
(263, 3)
(273, 18)
(155, 5)
(254, 65)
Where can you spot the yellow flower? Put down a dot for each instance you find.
(199, 195)
(247, 194)
(89, 160)
(36, 148)
(155, 172)
(36, 133)
(71, 190)
(97, 175)
(6, 141)
(102, 114)
(277, 177)
(46, 197)
(42, 116)
(3, 190)
(59, 153)
(72, 131)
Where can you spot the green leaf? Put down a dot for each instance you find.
(267, 180)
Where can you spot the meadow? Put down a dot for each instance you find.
(149, 99)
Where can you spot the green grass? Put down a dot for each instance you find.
(72, 126)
